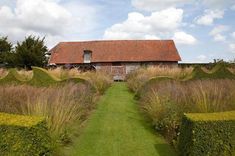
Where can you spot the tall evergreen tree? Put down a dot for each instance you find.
(5, 48)
(31, 52)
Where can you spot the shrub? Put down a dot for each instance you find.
(164, 115)
(99, 80)
(140, 78)
(10, 78)
(208, 134)
(166, 101)
(137, 78)
(23, 135)
(222, 72)
(61, 105)
(42, 78)
(218, 72)
(39, 77)
(198, 73)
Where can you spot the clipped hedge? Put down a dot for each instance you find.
(221, 72)
(41, 78)
(218, 72)
(198, 73)
(10, 78)
(210, 134)
(23, 135)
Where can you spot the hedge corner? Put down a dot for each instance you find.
(23, 135)
(207, 134)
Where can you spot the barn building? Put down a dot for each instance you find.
(117, 57)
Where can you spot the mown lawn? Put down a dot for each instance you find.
(118, 129)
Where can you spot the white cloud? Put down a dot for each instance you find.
(219, 37)
(217, 32)
(232, 47)
(84, 17)
(46, 18)
(154, 5)
(218, 4)
(219, 29)
(43, 15)
(233, 35)
(202, 57)
(138, 26)
(209, 17)
(5, 13)
(151, 37)
(160, 24)
(184, 38)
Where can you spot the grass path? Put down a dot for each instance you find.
(118, 129)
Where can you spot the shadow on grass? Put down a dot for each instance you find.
(163, 149)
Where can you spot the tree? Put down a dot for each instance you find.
(31, 52)
(5, 48)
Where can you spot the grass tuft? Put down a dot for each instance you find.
(60, 105)
(137, 78)
(165, 102)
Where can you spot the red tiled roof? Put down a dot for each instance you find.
(115, 51)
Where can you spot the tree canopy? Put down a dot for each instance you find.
(31, 52)
(5, 48)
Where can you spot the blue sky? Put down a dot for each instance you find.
(203, 30)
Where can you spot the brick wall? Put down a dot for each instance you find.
(120, 71)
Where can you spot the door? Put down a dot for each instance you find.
(118, 71)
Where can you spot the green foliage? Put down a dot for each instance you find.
(166, 99)
(220, 71)
(5, 45)
(41, 78)
(140, 83)
(64, 106)
(198, 73)
(208, 134)
(31, 52)
(5, 49)
(165, 102)
(11, 78)
(23, 135)
(137, 78)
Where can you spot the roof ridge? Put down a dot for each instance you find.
(126, 40)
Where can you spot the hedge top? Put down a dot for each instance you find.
(45, 72)
(219, 116)
(218, 72)
(40, 78)
(19, 120)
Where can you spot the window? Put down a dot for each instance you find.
(87, 56)
(116, 64)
